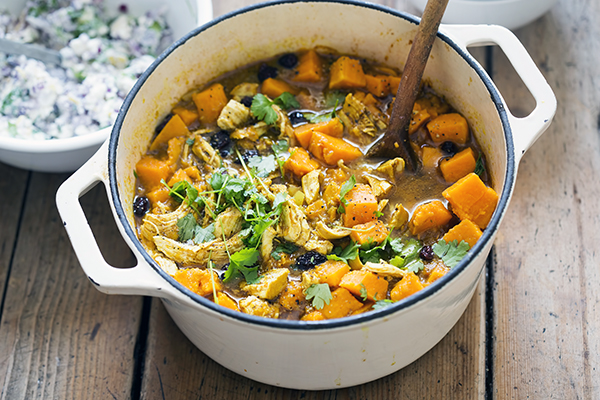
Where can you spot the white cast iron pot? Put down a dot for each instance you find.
(295, 354)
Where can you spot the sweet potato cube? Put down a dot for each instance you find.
(275, 87)
(346, 73)
(452, 127)
(410, 284)
(432, 215)
(436, 273)
(316, 209)
(418, 118)
(300, 163)
(179, 176)
(331, 272)
(174, 128)
(198, 280)
(459, 165)
(331, 149)
(363, 283)
(310, 67)
(342, 304)
(292, 295)
(361, 205)
(430, 156)
(394, 82)
(465, 230)
(226, 301)
(187, 116)
(210, 102)
(313, 316)
(150, 171)
(378, 85)
(371, 232)
(333, 127)
(472, 199)
(158, 195)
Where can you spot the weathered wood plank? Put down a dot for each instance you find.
(548, 249)
(13, 186)
(59, 336)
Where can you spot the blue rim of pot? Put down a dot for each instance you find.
(346, 321)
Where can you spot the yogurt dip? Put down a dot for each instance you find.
(103, 51)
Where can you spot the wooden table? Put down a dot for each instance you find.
(531, 331)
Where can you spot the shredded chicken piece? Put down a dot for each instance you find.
(198, 254)
(380, 187)
(399, 217)
(270, 285)
(255, 306)
(166, 264)
(203, 150)
(283, 123)
(228, 222)
(253, 132)
(245, 89)
(311, 186)
(384, 269)
(234, 115)
(318, 245)
(392, 167)
(293, 225)
(331, 232)
(310, 278)
(359, 120)
(163, 224)
(266, 245)
(381, 205)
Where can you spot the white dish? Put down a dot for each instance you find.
(511, 14)
(66, 155)
(303, 354)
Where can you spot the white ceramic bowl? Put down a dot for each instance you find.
(66, 155)
(302, 354)
(511, 14)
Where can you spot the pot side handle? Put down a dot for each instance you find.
(528, 129)
(138, 280)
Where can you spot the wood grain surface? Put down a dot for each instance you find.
(531, 330)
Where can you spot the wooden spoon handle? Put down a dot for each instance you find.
(397, 135)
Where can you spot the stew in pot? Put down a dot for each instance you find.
(255, 192)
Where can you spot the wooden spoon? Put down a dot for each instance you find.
(395, 142)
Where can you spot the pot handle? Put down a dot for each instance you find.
(138, 280)
(528, 129)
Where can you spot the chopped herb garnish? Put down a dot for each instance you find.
(202, 235)
(263, 165)
(363, 292)
(479, 167)
(262, 108)
(284, 247)
(382, 304)
(190, 141)
(186, 226)
(451, 253)
(316, 118)
(346, 187)
(320, 295)
(240, 263)
(350, 252)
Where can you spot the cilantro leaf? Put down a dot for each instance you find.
(346, 187)
(190, 141)
(186, 225)
(280, 146)
(379, 304)
(202, 235)
(350, 252)
(217, 180)
(284, 247)
(263, 165)
(451, 253)
(320, 295)
(316, 118)
(286, 100)
(479, 167)
(363, 292)
(240, 262)
(262, 110)
(333, 98)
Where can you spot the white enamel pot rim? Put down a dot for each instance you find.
(144, 280)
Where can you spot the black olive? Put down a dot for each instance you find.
(309, 260)
(266, 71)
(288, 60)
(162, 124)
(247, 101)
(426, 253)
(141, 205)
(220, 140)
(449, 148)
(296, 117)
